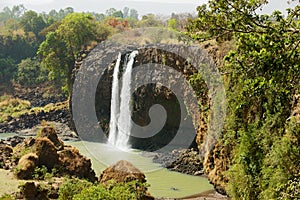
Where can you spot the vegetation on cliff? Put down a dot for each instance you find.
(262, 76)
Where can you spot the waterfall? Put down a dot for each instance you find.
(114, 107)
(120, 122)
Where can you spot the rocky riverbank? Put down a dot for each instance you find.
(58, 112)
(185, 161)
(44, 161)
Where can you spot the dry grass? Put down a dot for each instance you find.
(16, 107)
(8, 183)
(12, 107)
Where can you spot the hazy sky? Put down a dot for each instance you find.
(165, 7)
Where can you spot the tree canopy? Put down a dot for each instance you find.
(59, 50)
(262, 75)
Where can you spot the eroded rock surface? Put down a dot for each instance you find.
(187, 161)
(46, 150)
(122, 171)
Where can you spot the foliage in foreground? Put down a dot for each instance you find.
(80, 189)
(262, 79)
(7, 197)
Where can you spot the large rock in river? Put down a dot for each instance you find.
(122, 171)
(49, 151)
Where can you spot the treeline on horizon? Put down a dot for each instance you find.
(22, 32)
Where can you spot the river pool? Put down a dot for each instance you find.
(163, 183)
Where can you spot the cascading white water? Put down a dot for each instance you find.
(114, 107)
(120, 123)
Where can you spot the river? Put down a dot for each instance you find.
(163, 183)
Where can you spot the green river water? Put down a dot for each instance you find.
(163, 183)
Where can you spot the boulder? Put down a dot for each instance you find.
(46, 152)
(26, 166)
(49, 151)
(75, 164)
(187, 161)
(33, 191)
(50, 133)
(5, 156)
(122, 171)
(15, 140)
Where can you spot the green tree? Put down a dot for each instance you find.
(150, 20)
(8, 70)
(32, 22)
(98, 16)
(30, 72)
(14, 13)
(125, 12)
(11, 25)
(112, 12)
(182, 20)
(10, 17)
(172, 24)
(118, 14)
(133, 14)
(262, 78)
(17, 47)
(59, 50)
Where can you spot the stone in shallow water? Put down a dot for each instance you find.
(122, 171)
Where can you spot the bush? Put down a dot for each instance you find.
(72, 187)
(94, 193)
(40, 173)
(8, 69)
(7, 197)
(80, 189)
(30, 72)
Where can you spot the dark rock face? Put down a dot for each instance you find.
(36, 190)
(216, 163)
(50, 133)
(29, 120)
(122, 171)
(145, 96)
(13, 141)
(46, 152)
(62, 130)
(39, 96)
(185, 161)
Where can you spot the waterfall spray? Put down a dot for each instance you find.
(114, 107)
(120, 123)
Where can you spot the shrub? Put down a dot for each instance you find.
(30, 72)
(80, 189)
(40, 173)
(7, 197)
(94, 193)
(72, 187)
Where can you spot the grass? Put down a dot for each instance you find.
(8, 183)
(15, 107)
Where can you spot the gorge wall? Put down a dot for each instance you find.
(150, 94)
